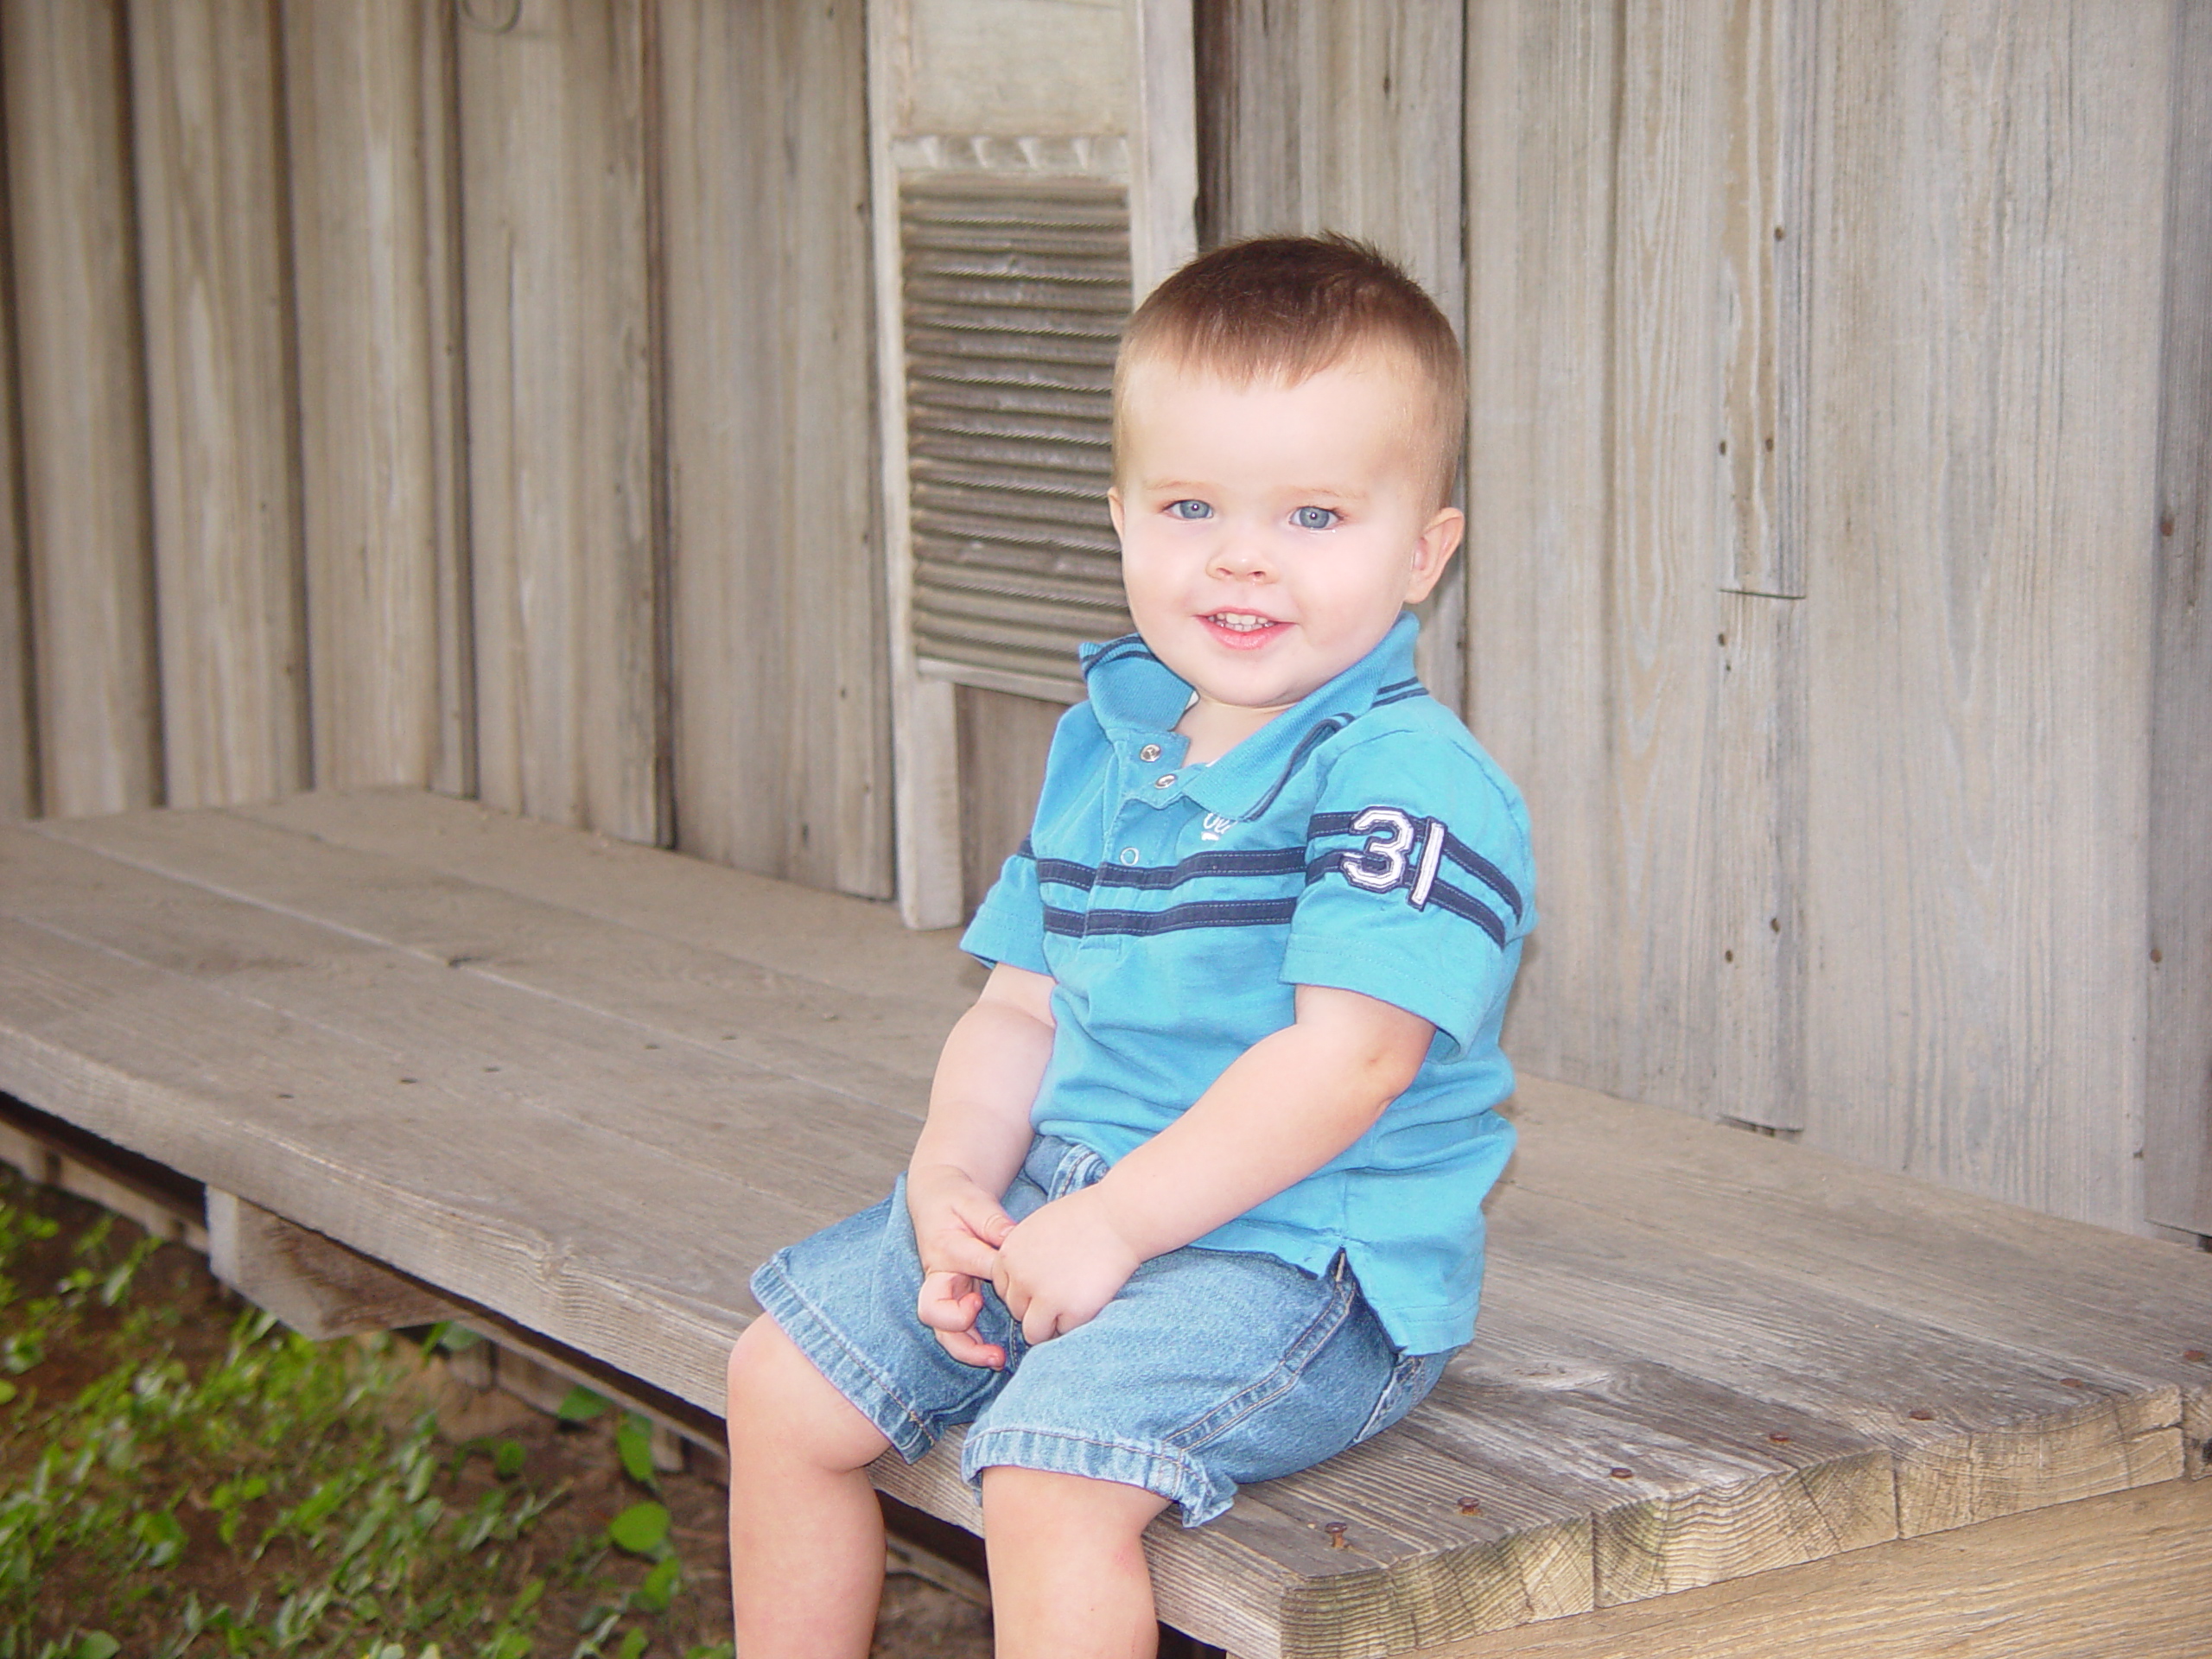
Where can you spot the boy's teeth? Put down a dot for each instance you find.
(1239, 620)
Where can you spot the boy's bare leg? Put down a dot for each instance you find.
(1067, 1573)
(805, 1532)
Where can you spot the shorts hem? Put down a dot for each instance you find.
(1154, 1465)
(848, 1370)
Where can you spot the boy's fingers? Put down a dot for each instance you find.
(948, 1302)
(970, 1350)
(953, 1251)
(986, 1220)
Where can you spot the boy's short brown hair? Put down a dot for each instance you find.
(1285, 307)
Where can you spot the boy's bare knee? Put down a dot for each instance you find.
(780, 1403)
(1040, 1503)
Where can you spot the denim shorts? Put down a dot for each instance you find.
(1209, 1370)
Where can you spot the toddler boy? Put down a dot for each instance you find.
(1197, 1200)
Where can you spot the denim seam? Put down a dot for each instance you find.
(1188, 1479)
(1400, 1381)
(827, 1329)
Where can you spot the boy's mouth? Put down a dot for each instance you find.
(1243, 627)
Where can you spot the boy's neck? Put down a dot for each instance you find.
(1215, 728)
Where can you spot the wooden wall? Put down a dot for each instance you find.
(1825, 358)
(471, 395)
(396, 394)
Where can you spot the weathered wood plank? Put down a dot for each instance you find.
(1986, 303)
(2122, 1574)
(925, 771)
(365, 99)
(314, 1284)
(878, 1047)
(1003, 740)
(1596, 146)
(1976, 1267)
(505, 1048)
(1656, 630)
(257, 1102)
(1763, 268)
(781, 711)
(80, 356)
(1542, 104)
(1753, 932)
(207, 121)
(566, 583)
(1976, 1430)
(19, 790)
(1163, 140)
(2178, 1126)
(841, 942)
(1751, 876)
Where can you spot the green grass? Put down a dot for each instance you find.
(174, 1489)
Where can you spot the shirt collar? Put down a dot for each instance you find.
(1136, 697)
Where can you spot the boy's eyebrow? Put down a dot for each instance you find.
(1183, 486)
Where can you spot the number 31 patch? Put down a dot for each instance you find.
(1383, 865)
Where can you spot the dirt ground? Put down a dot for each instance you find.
(578, 1462)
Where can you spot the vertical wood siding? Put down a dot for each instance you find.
(206, 111)
(18, 739)
(1842, 754)
(2177, 1137)
(370, 142)
(565, 573)
(782, 760)
(1987, 300)
(81, 360)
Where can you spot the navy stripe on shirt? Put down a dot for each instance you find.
(1176, 919)
(1445, 896)
(1442, 893)
(1269, 860)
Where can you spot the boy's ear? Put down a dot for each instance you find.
(1114, 507)
(1433, 552)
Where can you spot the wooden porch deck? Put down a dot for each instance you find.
(585, 1087)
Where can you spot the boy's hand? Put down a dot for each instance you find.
(949, 1305)
(957, 1230)
(1058, 1268)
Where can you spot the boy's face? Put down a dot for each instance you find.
(1271, 533)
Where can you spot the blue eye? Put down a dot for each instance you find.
(1315, 518)
(1189, 510)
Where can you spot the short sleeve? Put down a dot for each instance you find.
(1009, 925)
(1418, 881)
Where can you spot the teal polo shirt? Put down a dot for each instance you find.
(1362, 840)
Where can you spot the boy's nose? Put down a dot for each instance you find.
(1240, 553)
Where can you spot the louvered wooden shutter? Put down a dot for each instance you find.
(1013, 292)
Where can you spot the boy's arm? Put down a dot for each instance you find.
(1286, 1106)
(971, 1146)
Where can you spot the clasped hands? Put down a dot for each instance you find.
(1054, 1270)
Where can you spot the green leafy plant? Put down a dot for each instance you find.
(260, 1494)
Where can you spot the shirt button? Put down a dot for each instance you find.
(1150, 752)
(1128, 854)
(1166, 780)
